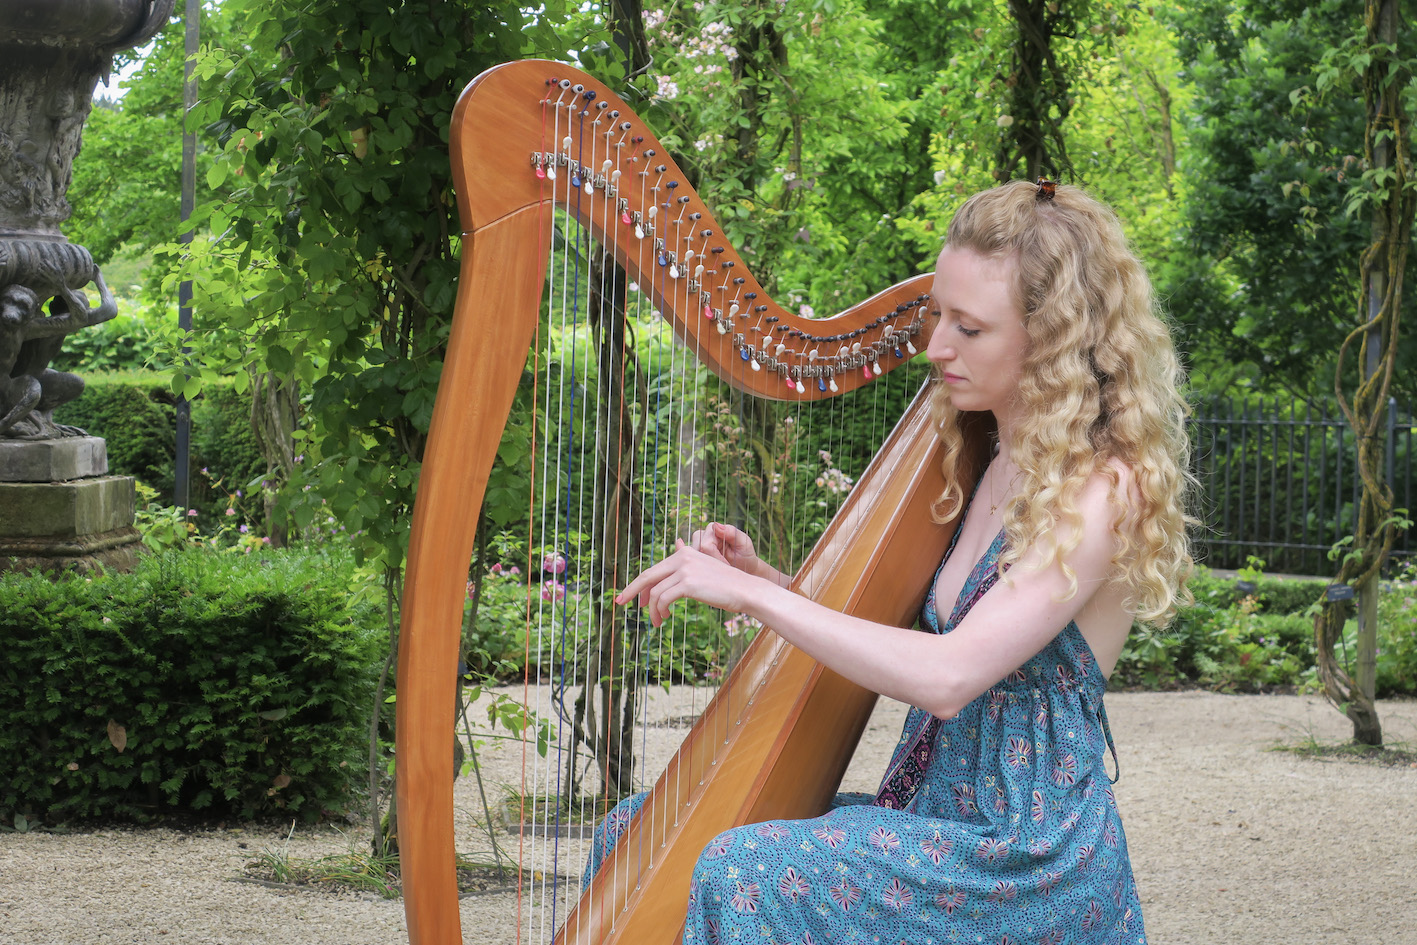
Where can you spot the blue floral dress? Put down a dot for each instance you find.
(997, 826)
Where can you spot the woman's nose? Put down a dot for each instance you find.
(939, 350)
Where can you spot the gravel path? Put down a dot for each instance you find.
(1231, 842)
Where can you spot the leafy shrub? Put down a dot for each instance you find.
(136, 413)
(545, 620)
(233, 685)
(1397, 634)
(124, 343)
(133, 412)
(1232, 642)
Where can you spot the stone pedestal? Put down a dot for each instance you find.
(60, 511)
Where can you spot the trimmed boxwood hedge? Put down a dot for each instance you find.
(227, 685)
(136, 413)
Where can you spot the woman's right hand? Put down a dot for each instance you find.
(733, 547)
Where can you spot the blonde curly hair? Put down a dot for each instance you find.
(1101, 385)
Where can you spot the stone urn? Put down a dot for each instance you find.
(59, 508)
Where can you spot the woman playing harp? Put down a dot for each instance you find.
(995, 820)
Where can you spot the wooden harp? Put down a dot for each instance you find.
(520, 132)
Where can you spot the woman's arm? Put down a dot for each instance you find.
(938, 673)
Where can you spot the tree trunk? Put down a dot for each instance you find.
(275, 406)
(1387, 150)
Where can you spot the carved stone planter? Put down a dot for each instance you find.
(52, 54)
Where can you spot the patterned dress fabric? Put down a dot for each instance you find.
(997, 826)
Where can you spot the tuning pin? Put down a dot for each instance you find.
(653, 209)
(831, 385)
(708, 311)
(744, 352)
(664, 259)
(551, 172)
(753, 363)
(899, 353)
(673, 270)
(812, 355)
(777, 352)
(911, 348)
(639, 231)
(626, 219)
(866, 370)
(822, 384)
(722, 328)
(540, 173)
(589, 186)
(575, 179)
(732, 309)
(698, 271)
(605, 167)
(789, 382)
(801, 388)
(566, 144)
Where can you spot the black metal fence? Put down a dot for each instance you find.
(1279, 481)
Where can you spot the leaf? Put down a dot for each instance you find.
(22, 823)
(274, 715)
(118, 735)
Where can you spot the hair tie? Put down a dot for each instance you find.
(1046, 188)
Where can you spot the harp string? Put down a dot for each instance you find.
(565, 626)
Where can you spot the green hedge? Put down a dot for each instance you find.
(1231, 641)
(241, 686)
(136, 413)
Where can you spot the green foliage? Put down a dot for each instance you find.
(542, 620)
(213, 684)
(135, 412)
(328, 127)
(1234, 641)
(1267, 286)
(121, 344)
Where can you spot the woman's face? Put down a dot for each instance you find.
(980, 342)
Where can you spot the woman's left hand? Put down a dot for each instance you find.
(689, 573)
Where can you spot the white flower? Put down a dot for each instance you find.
(1004, 121)
(939, 177)
(806, 311)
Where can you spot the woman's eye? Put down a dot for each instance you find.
(968, 332)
